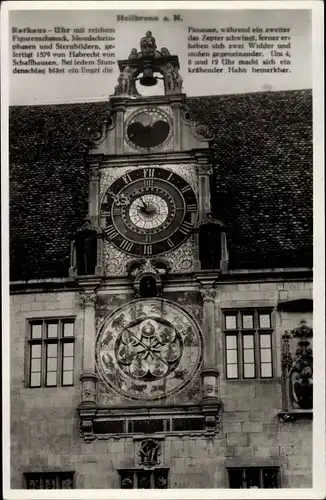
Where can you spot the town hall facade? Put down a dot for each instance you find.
(161, 288)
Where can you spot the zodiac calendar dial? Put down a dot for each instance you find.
(149, 349)
(149, 211)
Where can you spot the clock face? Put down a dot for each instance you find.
(149, 211)
(148, 129)
(149, 349)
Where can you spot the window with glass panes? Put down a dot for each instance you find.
(248, 344)
(144, 479)
(51, 352)
(253, 477)
(49, 480)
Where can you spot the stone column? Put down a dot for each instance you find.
(204, 173)
(224, 264)
(88, 377)
(94, 193)
(204, 198)
(119, 129)
(210, 373)
(176, 107)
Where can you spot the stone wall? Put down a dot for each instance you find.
(44, 422)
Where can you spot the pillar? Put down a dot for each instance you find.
(119, 129)
(204, 170)
(204, 173)
(210, 372)
(176, 107)
(224, 264)
(88, 377)
(94, 193)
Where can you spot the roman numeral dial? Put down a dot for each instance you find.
(149, 211)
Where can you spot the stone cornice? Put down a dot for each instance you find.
(304, 274)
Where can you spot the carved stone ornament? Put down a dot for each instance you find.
(182, 259)
(126, 83)
(200, 131)
(302, 331)
(301, 375)
(144, 66)
(212, 423)
(172, 80)
(115, 262)
(157, 266)
(88, 299)
(286, 359)
(148, 44)
(95, 136)
(297, 370)
(208, 294)
(144, 344)
(147, 276)
(149, 453)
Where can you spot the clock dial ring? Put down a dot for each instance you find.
(149, 212)
(127, 230)
(143, 193)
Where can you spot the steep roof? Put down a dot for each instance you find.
(263, 179)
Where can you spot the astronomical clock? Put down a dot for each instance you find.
(149, 211)
(150, 176)
(143, 347)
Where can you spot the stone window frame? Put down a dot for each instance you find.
(59, 477)
(238, 332)
(135, 473)
(260, 468)
(60, 340)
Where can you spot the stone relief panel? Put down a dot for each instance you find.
(181, 259)
(148, 350)
(115, 262)
(191, 301)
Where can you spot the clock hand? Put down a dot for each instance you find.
(144, 204)
(135, 336)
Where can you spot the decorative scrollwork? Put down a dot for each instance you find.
(298, 367)
(286, 359)
(88, 299)
(97, 135)
(302, 331)
(200, 131)
(208, 294)
(149, 452)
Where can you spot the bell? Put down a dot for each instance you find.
(148, 79)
